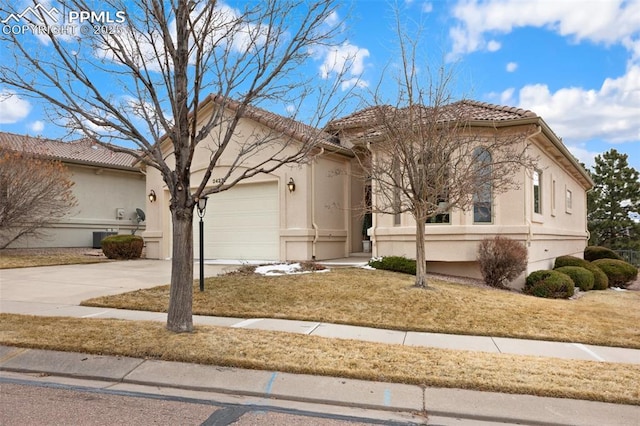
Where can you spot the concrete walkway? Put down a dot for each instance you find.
(57, 291)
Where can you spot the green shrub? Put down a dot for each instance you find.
(501, 260)
(395, 263)
(592, 253)
(569, 261)
(549, 284)
(122, 246)
(581, 277)
(600, 280)
(619, 272)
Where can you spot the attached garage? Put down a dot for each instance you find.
(241, 223)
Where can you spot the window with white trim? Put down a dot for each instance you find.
(537, 191)
(482, 198)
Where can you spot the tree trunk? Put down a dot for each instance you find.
(421, 262)
(179, 317)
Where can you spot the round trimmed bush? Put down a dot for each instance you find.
(600, 280)
(122, 246)
(569, 261)
(581, 277)
(592, 253)
(619, 272)
(549, 284)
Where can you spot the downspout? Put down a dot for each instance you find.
(374, 218)
(527, 211)
(314, 225)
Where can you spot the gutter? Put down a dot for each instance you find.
(527, 210)
(314, 225)
(374, 217)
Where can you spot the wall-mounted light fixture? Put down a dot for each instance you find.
(291, 185)
(152, 196)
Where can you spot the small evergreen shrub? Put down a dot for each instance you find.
(600, 280)
(581, 277)
(592, 253)
(501, 260)
(619, 272)
(122, 246)
(549, 284)
(395, 263)
(569, 261)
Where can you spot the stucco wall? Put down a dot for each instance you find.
(452, 248)
(99, 193)
(314, 219)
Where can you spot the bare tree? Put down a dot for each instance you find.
(34, 193)
(426, 156)
(164, 63)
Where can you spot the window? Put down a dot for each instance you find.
(442, 217)
(553, 196)
(537, 195)
(569, 202)
(482, 209)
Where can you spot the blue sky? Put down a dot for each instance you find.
(576, 63)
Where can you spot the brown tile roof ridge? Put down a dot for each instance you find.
(289, 126)
(472, 110)
(82, 150)
(512, 111)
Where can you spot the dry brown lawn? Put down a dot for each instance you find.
(388, 300)
(27, 258)
(296, 353)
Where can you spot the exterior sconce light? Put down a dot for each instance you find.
(152, 196)
(291, 185)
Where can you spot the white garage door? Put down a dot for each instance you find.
(241, 223)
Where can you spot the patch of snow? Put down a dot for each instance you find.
(283, 269)
(371, 268)
(236, 262)
(618, 289)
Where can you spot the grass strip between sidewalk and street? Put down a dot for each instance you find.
(383, 299)
(288, 352)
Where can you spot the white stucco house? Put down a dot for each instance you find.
(547, 213)
(263, 219)
(107, 186)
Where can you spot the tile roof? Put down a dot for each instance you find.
(79, 151)
(287, 126)
(471, 110)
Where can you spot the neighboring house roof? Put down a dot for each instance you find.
(80, 151)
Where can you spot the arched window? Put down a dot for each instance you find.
(482, 197)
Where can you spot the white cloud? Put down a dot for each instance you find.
(607, 22)
(345, 60)
(609, 113)
(427, 7)
(12, 107)
(512, 66)
(583, 155)
(493, 46)
(37, 126)
(333, 19)
(355, 81)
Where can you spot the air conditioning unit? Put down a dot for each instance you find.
(120, 214)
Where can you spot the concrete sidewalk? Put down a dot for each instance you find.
(58, 290)
(388, 402)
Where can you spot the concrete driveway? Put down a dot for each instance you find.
(51, 287)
